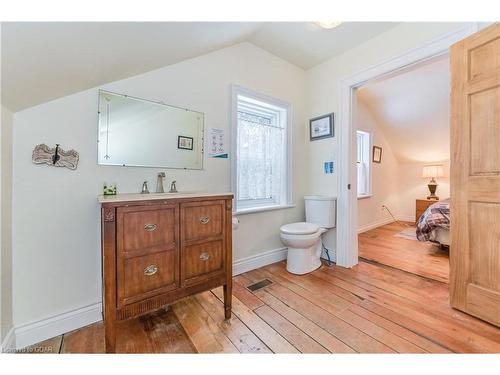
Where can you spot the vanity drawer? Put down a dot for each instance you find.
(142, 276)
(202, 220)
(203, 259)
(146, 229)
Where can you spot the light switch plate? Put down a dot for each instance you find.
(328, 167)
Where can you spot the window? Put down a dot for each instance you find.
(363, 161)
(260, 169)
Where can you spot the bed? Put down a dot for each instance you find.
(434, 224)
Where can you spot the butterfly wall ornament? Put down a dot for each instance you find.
(55, 156)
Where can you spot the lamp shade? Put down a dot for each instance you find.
(431, 171)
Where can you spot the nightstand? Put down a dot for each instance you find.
(421, 205)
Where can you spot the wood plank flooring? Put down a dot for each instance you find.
(370, 308)
(159, 332)
(421, 258)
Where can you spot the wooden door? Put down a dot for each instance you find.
(475, 175)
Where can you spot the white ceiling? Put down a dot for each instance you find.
(305, 44)
(44, 61)
(413, 110)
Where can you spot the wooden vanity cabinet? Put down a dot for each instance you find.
(156, 251)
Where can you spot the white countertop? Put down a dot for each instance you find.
(128, 197)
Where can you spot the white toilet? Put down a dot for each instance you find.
(304, 239)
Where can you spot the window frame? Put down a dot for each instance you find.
(368, 159)
(286, 194)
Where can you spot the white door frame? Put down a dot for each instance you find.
(347, 222)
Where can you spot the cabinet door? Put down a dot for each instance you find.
(148, 261)
(203, 241)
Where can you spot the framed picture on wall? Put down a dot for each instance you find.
(185, 143)
(377, 154)
(321, 127)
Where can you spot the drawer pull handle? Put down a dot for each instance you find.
(204, 219)
(150, 270)
(150, 227)
(204, 256)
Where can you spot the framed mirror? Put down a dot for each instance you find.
(142, 133)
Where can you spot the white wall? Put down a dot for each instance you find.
(396, 183)
(57, 261)
(323, 86)
(412, 186)
(6, 227)
(384, 176)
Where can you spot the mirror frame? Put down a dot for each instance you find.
(161, 103)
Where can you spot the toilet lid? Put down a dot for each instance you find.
(299, 228)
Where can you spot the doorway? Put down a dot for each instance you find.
(403, 134)
(347, 229)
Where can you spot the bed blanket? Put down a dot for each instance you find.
(436, 216)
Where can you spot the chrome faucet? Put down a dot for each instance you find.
(159, 182)
(173, 188)
(145, 189)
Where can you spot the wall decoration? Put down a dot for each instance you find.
(56, 156)
(216, 143)
(377, 154)
(185, 143)
(321, 127)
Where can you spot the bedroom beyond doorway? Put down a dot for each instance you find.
(403, 168)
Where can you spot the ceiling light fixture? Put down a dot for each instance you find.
(328, 25)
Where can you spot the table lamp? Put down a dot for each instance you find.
(432, 171)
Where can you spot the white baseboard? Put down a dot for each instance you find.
(385, 221)
(410, 218)
(375, 224)
(260, 260)
(9, 342)
(32, 333)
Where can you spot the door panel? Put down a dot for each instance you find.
(485, 259)
(485, 131)
(481, 299)
(475, 175)
(485, 60)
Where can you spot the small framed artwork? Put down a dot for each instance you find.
(185, 143)
(377, 154)
(321, 127)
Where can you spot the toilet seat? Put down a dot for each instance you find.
(300, 228)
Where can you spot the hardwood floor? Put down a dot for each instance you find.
(370, 308)
(421, 258)
(159, 332)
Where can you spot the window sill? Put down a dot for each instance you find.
(262, 209)
(365, 196)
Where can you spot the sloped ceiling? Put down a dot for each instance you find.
(413, 108)
(42, 61)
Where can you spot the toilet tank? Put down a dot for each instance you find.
(321, 210)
